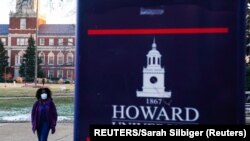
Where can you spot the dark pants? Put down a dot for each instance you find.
(43, 131)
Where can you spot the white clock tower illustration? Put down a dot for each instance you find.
(153, 76)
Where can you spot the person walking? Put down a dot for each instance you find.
(43, 81)
(44, 114)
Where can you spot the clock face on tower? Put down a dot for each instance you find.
(153, 79)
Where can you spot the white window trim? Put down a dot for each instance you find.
(60, 55)
(22, 41)
(51, 55)
(42, 55)
(60, 41)
(52, 73)
(16, 59)
(19, 56)
(70, 55)
(23, 23)
(69, 73)
(42, 41)
(4, 41)
(70, 43)
(51, 41)
(59, 73)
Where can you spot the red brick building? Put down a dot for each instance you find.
(56, 42)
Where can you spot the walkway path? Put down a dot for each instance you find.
(23, 132)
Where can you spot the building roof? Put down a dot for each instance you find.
(4, 29)
(47, 29)
(57, 29)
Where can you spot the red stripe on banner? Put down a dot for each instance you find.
(222, 30)
(87, 138)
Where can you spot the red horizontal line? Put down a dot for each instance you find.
(220, 30)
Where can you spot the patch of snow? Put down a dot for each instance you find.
(24, 114)
(22, 117)
(64, 118)
(27, 117)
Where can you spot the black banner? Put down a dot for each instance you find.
(159, 62)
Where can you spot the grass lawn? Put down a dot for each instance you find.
(14, 105)
(17, 90)
(19, 109)
(17, 103)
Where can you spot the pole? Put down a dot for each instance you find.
(25, 73)
(36, 42)
(5, 76)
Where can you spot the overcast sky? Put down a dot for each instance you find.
(56, 12)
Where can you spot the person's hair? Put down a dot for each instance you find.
(43, 90)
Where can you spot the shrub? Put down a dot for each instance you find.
(60, 81)
(19, 79)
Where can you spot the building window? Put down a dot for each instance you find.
(60, 73)
(70, 41)
(60, 58)
(60, 41)
(69, 74)
(22, 23)
(22, 41)
(26, 41)
(16, 59)
(42, 57)
(51, 57)
(50, 73)
(70, 59)
(3, 41)
(19, 58)
(51, 41)
(42, 41)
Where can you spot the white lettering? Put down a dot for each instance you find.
(196, 113)
(136, 112)
(176, 113)
(121, 113)
(97, 132)
(172, 132)
(115, 111)
(163, 114)
(148, 113)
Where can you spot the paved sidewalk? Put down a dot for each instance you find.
(23, 132)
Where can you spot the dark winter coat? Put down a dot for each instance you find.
(51, 114)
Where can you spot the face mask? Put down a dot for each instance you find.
(44, 96)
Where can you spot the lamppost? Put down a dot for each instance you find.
(5, 75)
(36, 42)
(25, 74)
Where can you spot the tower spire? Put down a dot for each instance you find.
(154, 44)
